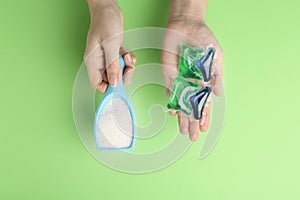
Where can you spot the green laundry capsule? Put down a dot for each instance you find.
(179, 97)
(188, 62)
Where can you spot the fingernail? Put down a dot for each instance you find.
(113, 80)
(202, 122)
(130, 58)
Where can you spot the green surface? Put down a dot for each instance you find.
(41, 48)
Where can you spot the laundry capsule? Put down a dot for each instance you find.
(204, 64)
(179, 97)
(198, 101)
(188, 62)
(188, 97)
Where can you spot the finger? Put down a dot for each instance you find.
(128, 76)
(129, 63)
(217, 84)
(183, 121)
(194, 130)
(114, 73)
(102, 84)
(111, 49)
(129, 59)
(101, 87)
(173, 112)
(124, 52)
(95, 62)
(205, 125)
(204, 122)
(169, 69)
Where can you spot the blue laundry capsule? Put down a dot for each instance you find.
(198, 101)
(205, 64)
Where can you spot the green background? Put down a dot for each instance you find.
(257, 157)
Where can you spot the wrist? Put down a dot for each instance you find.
(187, 10)
(95, 5)
(101, 1)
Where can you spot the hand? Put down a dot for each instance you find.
(104, 45)
(191, 31)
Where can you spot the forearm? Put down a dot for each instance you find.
(187, 9)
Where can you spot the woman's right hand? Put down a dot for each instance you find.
(104, 45)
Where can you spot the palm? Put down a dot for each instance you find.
(192, 33)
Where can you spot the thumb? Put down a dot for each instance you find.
(114, 73)
(217, 84)
(112, 63)
(169, 70)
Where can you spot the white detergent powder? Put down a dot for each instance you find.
(115, 126)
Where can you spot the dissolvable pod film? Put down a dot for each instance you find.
(198, 102)
(180, 93)
(188, 62)
(205, 64)
(194, 63)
